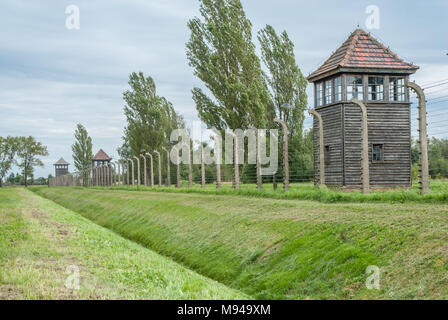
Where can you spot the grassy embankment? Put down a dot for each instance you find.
(282, 249)
(39, 240)
(307, 191)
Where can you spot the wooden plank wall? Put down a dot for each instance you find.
(333, 127)
(389, 124)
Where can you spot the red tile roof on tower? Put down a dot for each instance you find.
(361, 50)
(101, 156)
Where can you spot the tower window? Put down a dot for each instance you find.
(327, 155)
(377, 152)
(337, 89)
(396, 89)
(354, 87)
(328, 92)
(318, 94)
(376, 88)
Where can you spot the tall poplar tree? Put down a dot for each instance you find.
(82, 149)
(287, 85)
(286, 82)
(222, 54)
(150, 118)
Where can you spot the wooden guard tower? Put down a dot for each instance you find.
(61, 167)
(101, 158)
(364, 69)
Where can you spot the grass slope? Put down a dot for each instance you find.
(282, 249)
(39, 240)
(307, 191)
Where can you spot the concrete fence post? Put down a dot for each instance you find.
(218, 150)
(365, 147)
(145, 181)
(159, 167)
(151, 170)
(178, 178)
(122, 171)
(258, 159)
(190, 169)
(118, 172)
(321, 146)
(423, 138)
(285, 154)
(202, 166)
(236, 167)
(127, 173)
(132, 172)
(138, 170)
(168, 169)
(113, 170)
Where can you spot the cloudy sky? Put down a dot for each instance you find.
(52, 78)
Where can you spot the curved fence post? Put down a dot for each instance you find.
(285, 154)
(138, 169)
(423, 138)
(218, 150)
(118, 172)
(202, 166)
(127, 173)
(178, 178)
(190, 168)
(113, 172)
(365, 147)
(236, 167)
(168, 170)
(159, 168)
(132, 172)
(321, 146)
(151, 169)
(145, 182)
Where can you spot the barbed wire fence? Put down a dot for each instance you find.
(301, 170)
(436, 94)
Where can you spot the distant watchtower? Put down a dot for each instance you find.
(61, 167)
(364, 69)
(101, 158)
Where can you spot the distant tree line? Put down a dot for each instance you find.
(438, 158)
(23, 152)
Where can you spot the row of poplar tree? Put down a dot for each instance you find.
(238, 92)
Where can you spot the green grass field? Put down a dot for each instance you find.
(282, 249)
(307, 191)
(40, 239)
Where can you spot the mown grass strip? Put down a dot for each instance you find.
(306, 191)
(40, 239)
(274, 249)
